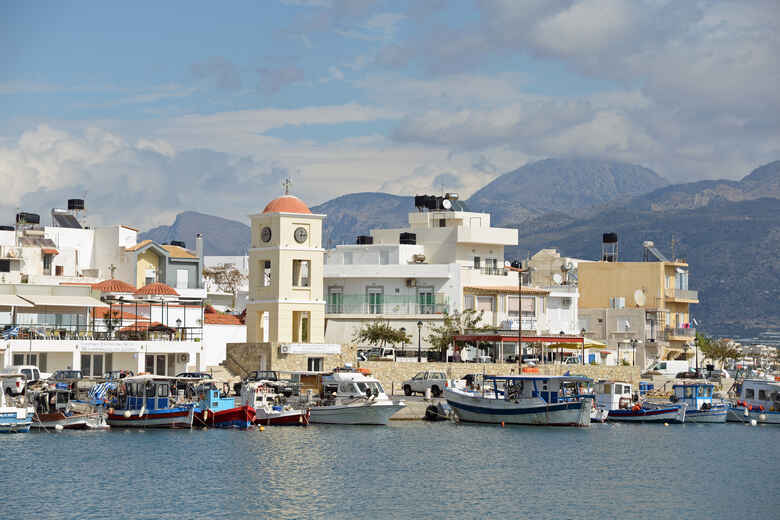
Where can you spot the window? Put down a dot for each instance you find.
(442, 222)
(468, 301)
(375, 300)
(348, 258)
(301, 277)
(149, 276)
(617, 302)
(92, 365)
(314, 364)
(425, 300)
(182, 278)
(384, 257)
(163, 390)
(266, 269)
(47, 264)
(59, 270)
(486, 303)
(335, 300)
(762, 395)
(513, 307)
(477, 262)
(5, 266)
(749, 393)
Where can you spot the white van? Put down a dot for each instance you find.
(670, 368)
(381, 354)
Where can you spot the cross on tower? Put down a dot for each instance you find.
(286, 185)
(112, 268)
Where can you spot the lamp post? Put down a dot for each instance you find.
(517, 265)
(178, 326)
(403, 331)
(419, 340)
(560, 349)
(696, 346)
(634, 341)
(582, 333)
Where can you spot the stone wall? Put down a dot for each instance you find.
(392, 375)
(241, 358)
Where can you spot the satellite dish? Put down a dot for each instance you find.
(507, 263)
(568, 266)
(639, 297)
(557, 279)
(446, 204)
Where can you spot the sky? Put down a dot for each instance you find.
(148, 109)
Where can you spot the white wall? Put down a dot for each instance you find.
(75, 246)
(215, 339)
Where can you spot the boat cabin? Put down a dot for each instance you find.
(759, 393)
(53, 398)
(351, 385)
(148, 392)
(258, 394)
(697, 395)
(613, 395)
(209, 398)
(550, 389)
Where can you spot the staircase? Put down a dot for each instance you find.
(221, 374)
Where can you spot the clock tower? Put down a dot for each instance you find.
(286, 259)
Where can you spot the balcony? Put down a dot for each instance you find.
(127, 330)
(679, 334)
(384, 306)
(682, 295)
(494, 271)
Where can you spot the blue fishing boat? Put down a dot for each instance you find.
(148, 402)
(220, 412)
(698, 397)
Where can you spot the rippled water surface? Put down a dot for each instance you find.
(405, 470)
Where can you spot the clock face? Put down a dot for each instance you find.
(300, 235)
(265, 234)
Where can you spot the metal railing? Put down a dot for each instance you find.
(390, 308)
(494, 271)
(670, 332)
(683, 294)
(100, 332)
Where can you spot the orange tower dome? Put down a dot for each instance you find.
(287, 204)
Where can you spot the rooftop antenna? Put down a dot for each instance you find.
(286, 185)
(674, 243)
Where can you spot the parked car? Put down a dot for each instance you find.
(381, 354)
(71, 378)
(717, 375)
(436, 381)
(31, 372)
(281, 386)
(181, 383)
(668, 368)
(113, 375)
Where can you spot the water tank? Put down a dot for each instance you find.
(7, 228)
(609, 238)
(75, 204)
(178, 243)
(363, 240)
(408, 239)
(28, 218)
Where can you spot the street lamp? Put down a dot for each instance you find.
(634, 341)
(403, 331)
(419, 340)
(178, 326)
(582, 333)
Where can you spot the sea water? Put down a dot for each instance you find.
(405, 470)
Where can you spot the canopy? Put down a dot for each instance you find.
(40, 300)
(594, 343)
(11, 300)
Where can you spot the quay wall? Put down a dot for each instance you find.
(392, 375)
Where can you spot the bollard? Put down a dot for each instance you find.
(428, 394)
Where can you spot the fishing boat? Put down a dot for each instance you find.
(349, 397)
(617, 398)
(531, 400)
(756, 399)
(270, 407)
(698, 397)
(220, 412)
(147, 402)
(15, 417)
(54, 410)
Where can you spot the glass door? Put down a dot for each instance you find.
(375, 301)
(425, 300)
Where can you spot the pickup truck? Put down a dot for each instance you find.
(436, 381)
(281, 386)
(13, 382)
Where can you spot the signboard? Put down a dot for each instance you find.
(112, 346)
(310, 348)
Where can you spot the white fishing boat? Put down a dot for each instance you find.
(353, 398)
(15, 416)
(55, 411)
(617, 398)
(531, 400)
(270, 406)
(757, 399)
(698, 397)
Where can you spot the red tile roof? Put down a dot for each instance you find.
(157, 289)
(114, 286)
(101, 313)
(221, 319)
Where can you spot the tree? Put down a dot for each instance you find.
(380, 333)
(717, 349)
(442, 336)
(226, 278)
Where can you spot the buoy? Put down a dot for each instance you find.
(111, 411)
(502, 424)
(753, 422)
(262, 428)
(666, 424)
(127, 414)
(762, 417)
(205, 415)
(58, 427)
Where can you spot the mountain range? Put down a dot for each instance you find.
(729, 231)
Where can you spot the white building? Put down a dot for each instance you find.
(444, 261)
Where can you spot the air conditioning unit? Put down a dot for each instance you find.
(411, 282)
(284, 349)
(567, 301)
(184, 358)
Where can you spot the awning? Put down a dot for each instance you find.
(49, 251)
(11, 300)
(40, 300)
(593, 343)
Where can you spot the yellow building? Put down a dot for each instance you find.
(660, 288)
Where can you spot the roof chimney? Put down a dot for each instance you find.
(199, 245)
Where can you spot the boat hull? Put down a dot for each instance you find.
(81, 421)
(166, 418)
(241, 417)
(716, 414)
(15, 420)
(599, 415)
(374, 413)
(282, 418)
(737, 414)
(476, 408)
(672, 414)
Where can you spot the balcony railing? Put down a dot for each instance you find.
(401, 308)
(494, 271)
(128, 331)
(682, 294)
(677, 332)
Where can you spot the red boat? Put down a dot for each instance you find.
(238, 417)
